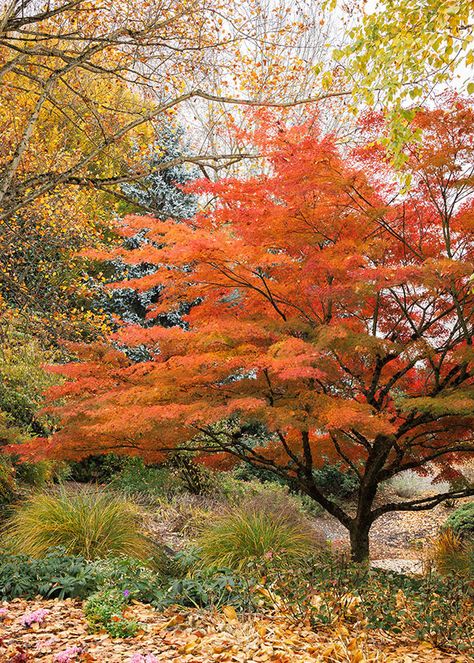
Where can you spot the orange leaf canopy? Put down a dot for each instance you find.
(328, 304)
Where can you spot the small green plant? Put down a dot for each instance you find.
(57, 575)
(105, 610)
(207, 588)
(130, 575)
(88, 522)
(461, 521)
(333, 480)
(262, 528)
(97, 469)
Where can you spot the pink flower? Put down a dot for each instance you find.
(36, 617)
(67, 655)
(3, 613)
(148, 658)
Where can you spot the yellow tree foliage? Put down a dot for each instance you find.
(402, 51)
(67, 69)
(47, 221)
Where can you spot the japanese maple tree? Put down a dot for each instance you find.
(331, 306)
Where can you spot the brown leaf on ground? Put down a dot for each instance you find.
(201, 637)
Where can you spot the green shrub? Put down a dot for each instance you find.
(236, 490)
(55, 576)
(85, 522)
(335, 481)
(263, 528)
(8, 485)
(105, 610)
(309, 506)
(461, 521)
(191, 586)
(42, 473)
(207, 588)
(329, 590)
(249, 472)
(23, 379)
(142, 482)
(97, 469)
(189, 476)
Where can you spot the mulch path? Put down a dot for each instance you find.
(197, 636)
(400, 535)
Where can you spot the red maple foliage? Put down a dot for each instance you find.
(331, 305)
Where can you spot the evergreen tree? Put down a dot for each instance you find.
(161, 192)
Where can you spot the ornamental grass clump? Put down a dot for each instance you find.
(453, 555)
(261, 530)
(87, 522)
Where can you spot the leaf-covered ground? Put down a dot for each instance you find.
(197, 637)
(397, 535)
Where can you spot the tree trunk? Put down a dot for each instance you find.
(360, 525)
(359, 536)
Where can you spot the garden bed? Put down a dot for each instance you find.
(197, 636)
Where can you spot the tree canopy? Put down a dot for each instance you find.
(400, 53)
(329, 305)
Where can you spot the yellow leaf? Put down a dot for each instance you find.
(326, 80)
(177, 619)
(230, 613)
(188, 648)
(261, 629)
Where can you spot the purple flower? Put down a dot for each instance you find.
(126, 593)
(67, 655)
(36, 617)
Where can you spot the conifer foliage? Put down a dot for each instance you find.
(335, 308)
(161, 191)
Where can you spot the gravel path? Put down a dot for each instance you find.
(400, 535)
